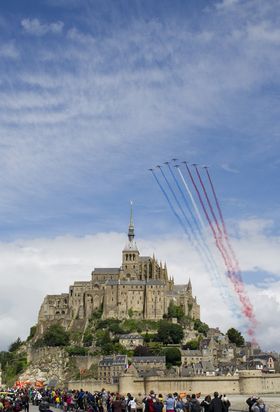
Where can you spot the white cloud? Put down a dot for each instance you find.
(229, 168)
(35, 27)
(9, 51)
(226, 4)
(34, 268)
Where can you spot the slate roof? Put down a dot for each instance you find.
(130, 336)
(113, 360)
(148, 359)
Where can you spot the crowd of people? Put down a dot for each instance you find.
(105, 401)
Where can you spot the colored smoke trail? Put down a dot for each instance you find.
(234, 274)
(225, 231)
(216, 278)
(218, 236)
(248, 308)
(170, 205)
(230, 274)
(191, 236)
(219, 278)
(184, 198)
(192, 199)
(194, 241)
(199, 211)
(206, 215)
(199, 236)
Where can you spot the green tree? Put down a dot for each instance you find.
(87, 338)
(15, 345)
(235, 337)
(13, 364)
(103, 338)
(56, 335)
(142, 351)
(169, 332)
(175, 311)
(192, 344)
(76, 350)
(173, 356)
(201, 327)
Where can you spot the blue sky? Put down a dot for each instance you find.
(94, 93)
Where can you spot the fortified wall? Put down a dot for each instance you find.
(245, 383)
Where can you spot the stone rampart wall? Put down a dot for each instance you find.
(92, 385)
(245, 383)
(85, 362)
(36, 355)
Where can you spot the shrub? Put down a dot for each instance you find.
(56, 335)
(169, 332)
(173, 357)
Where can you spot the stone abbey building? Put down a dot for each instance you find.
(139, 288)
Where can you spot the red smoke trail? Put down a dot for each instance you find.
(218, 238)
(222, 220)
(238, 286)
(241, 285)
(234, 276)
(219, 246)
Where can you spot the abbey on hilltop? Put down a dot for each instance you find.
(140, 288)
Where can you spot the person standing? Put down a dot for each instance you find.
(216, 404)
(170, 403)
(251, 401)
(259, 406)
(226, 402)
(206, 403)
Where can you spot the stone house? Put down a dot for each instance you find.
(264, 361)
(144, 363)
(131, 341)
(189, 357)
(111, 367)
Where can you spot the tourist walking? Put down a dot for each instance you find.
(216, 404)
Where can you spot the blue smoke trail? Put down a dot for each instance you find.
(205, 251)
(195, 241)
(171, 206)
(229, 297)
(197, 245)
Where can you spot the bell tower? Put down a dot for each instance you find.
(130, 253)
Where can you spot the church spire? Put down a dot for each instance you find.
(189, 286)
(131, 224)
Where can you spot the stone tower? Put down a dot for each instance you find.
(130, 253)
